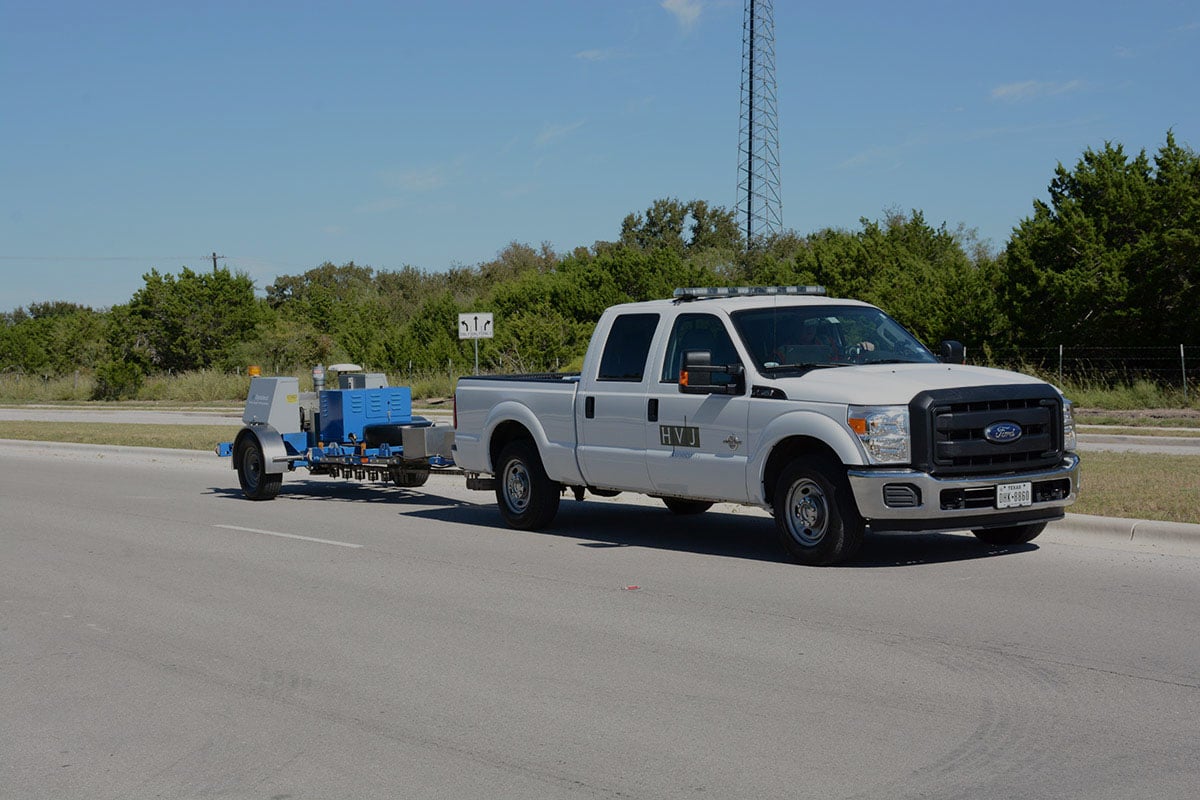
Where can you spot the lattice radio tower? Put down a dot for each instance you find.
(758, 208)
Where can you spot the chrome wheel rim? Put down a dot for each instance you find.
(807, 512)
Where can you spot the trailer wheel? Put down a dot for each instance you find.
(815, 516)
(684, 507)
(527, 498)
(257, 483)
(1015, 534)
(409, 478)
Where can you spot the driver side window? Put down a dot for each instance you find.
(698, 332)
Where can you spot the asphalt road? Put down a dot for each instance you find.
(162, 637)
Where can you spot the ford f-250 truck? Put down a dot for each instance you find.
(827, 412)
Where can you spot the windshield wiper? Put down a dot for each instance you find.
(805, 367)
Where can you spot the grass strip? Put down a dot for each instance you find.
(1140, 486)
(176, 437)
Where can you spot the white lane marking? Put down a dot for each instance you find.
(287, 535)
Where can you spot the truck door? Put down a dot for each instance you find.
(610, 408)
(697, 444)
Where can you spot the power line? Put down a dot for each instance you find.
(101, 258)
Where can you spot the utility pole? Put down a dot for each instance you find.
(214, 260)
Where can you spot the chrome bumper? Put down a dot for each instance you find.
(927, 514)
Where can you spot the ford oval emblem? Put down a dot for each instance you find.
(1002, 432)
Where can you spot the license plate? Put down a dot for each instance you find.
(1014, 495)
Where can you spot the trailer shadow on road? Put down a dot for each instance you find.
(614, 525)
(335, 491)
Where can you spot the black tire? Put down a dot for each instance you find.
(680, 506)
(257, 483)
(527, 498)
(815, 515)
(409, 478)
(1014, 534)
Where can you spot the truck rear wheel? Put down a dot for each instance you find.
(680, 506)
(257, 483)
(527, 498)
(815, 516)
(1014, 534)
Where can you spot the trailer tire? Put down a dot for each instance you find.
(527, 498)
(678, 505)
(257, 483)
(409, 478)
(815, 515)
(1014, 534)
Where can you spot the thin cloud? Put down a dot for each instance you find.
(552, 133)
(420, 180)
(600, 54)
(1031, 90)
(686, 12)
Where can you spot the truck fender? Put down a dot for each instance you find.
(271, 442)
(804, 424)
(558, 457)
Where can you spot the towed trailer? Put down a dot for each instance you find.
(363, 430)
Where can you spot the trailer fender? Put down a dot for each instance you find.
(275, 455)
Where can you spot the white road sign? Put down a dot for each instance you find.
(475, 325)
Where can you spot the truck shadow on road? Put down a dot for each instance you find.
(613, 525)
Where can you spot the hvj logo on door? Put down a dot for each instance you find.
(679, 435)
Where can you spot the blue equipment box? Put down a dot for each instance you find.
(348, 411)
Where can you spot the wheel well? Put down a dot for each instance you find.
(505, 433)
(785, 453)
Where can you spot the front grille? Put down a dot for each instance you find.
(949, 429)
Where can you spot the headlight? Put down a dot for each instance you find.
(1070, 443)
(883, 431)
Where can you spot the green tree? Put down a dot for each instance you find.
(195, 321)
(1116, 250)
(921, 275)
(682, 227)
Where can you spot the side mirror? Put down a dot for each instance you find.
(696, 375)
(952, 352)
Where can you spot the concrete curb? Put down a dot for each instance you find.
(1142, 531)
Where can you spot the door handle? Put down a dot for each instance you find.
(652, 410)
(589, 407)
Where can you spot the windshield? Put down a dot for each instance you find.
(788, 338)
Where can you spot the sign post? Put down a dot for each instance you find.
(476, 325)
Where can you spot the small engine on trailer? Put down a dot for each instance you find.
(363, 430)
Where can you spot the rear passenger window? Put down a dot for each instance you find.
(627, 348)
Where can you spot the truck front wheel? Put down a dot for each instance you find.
(527, 498)
(815, 515)
(1015, 534)
(257, 483)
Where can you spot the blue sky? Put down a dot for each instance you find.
(139, 135)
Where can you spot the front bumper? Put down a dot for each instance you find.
(908, 500)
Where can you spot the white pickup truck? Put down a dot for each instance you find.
(825, 411)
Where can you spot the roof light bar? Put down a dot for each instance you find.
(699, 292)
